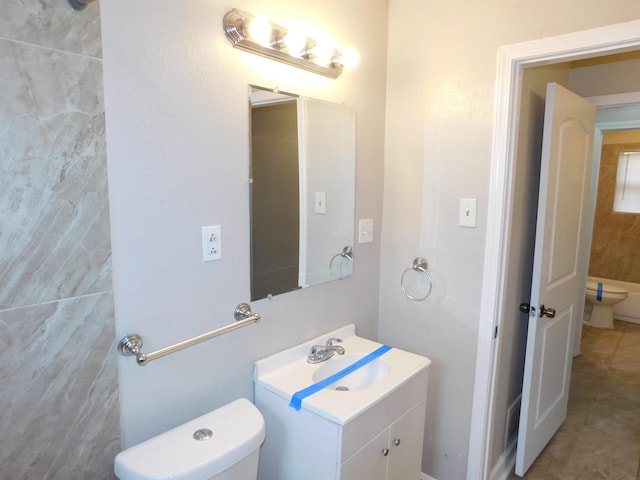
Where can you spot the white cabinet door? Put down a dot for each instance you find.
(405, 439)
(395, 454)
(370, 462)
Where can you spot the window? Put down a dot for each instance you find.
(627, 195)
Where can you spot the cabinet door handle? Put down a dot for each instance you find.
(396, 441)
(385, 452)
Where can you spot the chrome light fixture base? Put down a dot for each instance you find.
(236, 28)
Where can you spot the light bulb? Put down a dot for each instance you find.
(324, 53)
(349, 58)
(295, 42)
(260, 31)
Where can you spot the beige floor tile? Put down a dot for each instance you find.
(622, 383)
(587, 364)
(616, 415)
(600, 455)
(627, 360)
(586, 385)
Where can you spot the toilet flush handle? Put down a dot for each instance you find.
(547, 312)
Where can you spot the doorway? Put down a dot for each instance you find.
(512, 60)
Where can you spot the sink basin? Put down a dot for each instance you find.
(364, 377)
(287, 373)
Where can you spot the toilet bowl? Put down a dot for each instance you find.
(603, 296)
(223, 445)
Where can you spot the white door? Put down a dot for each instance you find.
(556, 286)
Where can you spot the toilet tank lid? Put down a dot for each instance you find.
(238, 430)
(606, 287)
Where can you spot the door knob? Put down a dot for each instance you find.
(547, 311)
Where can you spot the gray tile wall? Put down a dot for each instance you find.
(58, 383)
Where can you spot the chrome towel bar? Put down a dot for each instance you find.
(132, 343)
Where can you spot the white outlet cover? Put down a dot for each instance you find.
(211, 243)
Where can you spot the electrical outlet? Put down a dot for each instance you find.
(211, 243)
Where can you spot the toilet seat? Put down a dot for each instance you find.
(606, 288)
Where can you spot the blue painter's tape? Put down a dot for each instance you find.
(599, 294)
(296, 398)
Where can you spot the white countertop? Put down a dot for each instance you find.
(288, 372)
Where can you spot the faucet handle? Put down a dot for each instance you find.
(317, 354)
(331, 340)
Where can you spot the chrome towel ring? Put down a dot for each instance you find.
(420, 266)
(346, 253)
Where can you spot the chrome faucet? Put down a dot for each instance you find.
(321, 353)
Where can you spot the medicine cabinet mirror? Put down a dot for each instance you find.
(302, 187)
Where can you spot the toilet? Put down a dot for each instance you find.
(603, 296)
(221, 445)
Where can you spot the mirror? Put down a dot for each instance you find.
(302, 191)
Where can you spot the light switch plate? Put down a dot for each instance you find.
(365, 230)
(320, 204)
(468, 211)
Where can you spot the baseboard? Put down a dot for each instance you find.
(424, 476)
(504, 466)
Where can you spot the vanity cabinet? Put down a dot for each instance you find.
(395, 454)
(383, 442)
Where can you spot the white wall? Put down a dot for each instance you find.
(441, 79)
(619, 75)
(177, 136)
(176, 97)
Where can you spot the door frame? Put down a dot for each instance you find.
(512, 59)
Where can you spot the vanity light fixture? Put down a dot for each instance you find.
(262, 37)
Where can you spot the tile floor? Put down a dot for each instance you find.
(600, 439)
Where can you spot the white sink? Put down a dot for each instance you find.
(364, 377)
(288, 372)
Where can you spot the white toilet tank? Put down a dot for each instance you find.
(223, 445)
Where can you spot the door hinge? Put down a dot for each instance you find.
(495, 332)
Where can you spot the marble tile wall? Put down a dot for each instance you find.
(58, 381)
(616, 236)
